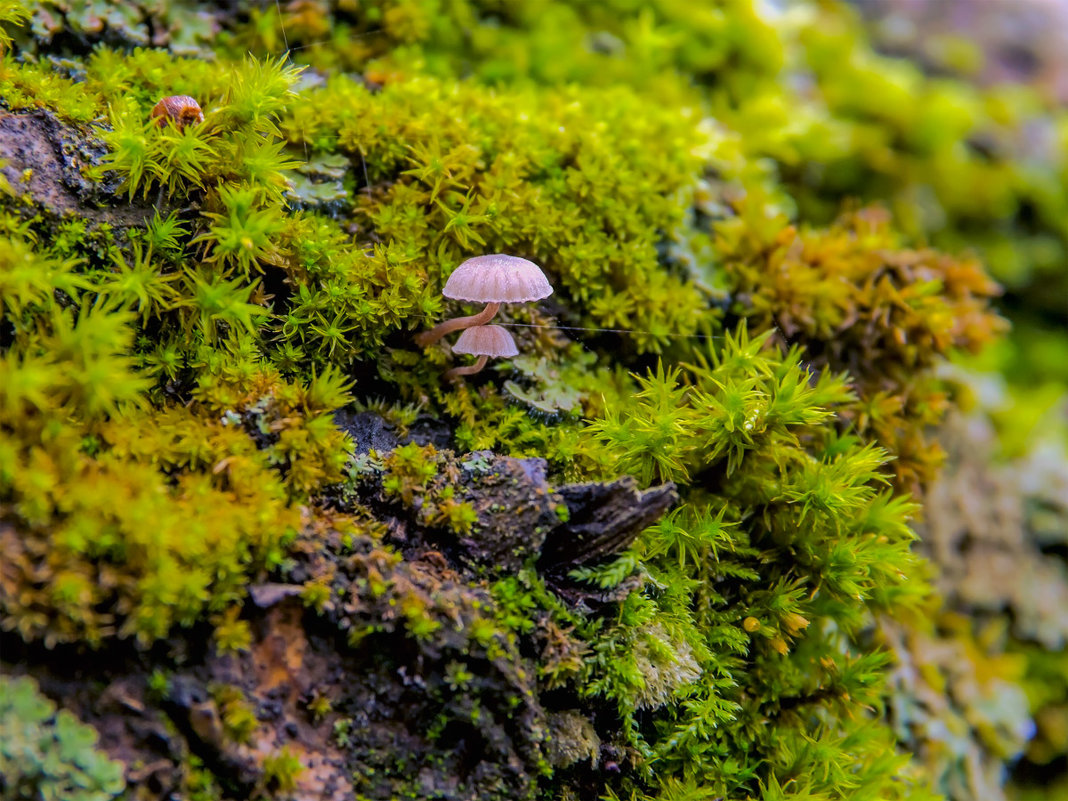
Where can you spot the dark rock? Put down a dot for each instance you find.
(516, 509)
(47, 161)
(603, 519)
(428, 430)
(368, 430)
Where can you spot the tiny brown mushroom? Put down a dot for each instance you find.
(483, 341)
(493, 280)
(182, 110)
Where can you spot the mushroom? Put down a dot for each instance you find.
(482, 341)
(182, 110)
(493, 280)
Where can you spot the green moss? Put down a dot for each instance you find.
(13, 14)
(281, 770)
(408, 469)
(885, 320)
(70, 370)
(167, 388)
(231, 634)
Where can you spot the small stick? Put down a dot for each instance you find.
(441, 329)
(455, 373)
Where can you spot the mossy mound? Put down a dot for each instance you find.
(223, 458)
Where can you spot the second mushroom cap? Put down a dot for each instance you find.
(497, 278)
(486, 340)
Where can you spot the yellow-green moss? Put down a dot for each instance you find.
(167, 389)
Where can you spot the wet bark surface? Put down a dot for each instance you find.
(47, 163)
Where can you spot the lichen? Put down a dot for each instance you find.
(49, 754)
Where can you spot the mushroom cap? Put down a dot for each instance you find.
(497, 278)
(486, 340)
(179, 109)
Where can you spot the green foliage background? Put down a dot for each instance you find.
(730, 315)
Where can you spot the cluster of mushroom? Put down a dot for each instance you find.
(493, 280)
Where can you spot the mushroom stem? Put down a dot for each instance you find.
(441, 329)
(471, 369)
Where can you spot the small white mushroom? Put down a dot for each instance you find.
(484, 341)
(493, 280)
